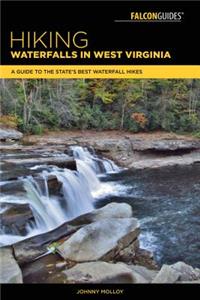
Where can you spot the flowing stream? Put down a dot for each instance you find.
(77, 194)
(166, 201)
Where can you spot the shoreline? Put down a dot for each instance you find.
(135, 151)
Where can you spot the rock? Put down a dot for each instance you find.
(100, 240)
(145, 258)
(54, 186)
(13, 187)
(11, 171)
(178, 272)
(15, 217)
(99, 272)
(45, 270)
(167, 275)
(194, 281)
(127, 254)
(9, 271)
(110, 144)
(174, 160)
(61, 162)
(10, 134)
(146, 274)
(29, 249)
(138, 277)
(164, 144)
(187, 273)
(111, 210)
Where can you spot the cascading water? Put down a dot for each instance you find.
(46, 212)
(89, 175)
(77, 192)
(97, 164)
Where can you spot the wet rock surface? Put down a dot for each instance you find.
(31, 248)
(60, 162)
(15, 218)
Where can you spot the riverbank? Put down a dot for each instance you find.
(138, 151)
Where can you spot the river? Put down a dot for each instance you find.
(166, 201)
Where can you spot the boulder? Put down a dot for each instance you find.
(15, 217)
(99, 272)
(101, 240)
(10, 134)
(145, 258)
(177, 272)
(29, 249)
(187, 273)
(138, 278)
(46, 269)
(128, 253)
(9, 271)
(146, 274)
(167, 275)
(111, 210)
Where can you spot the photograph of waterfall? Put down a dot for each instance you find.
(100, 181)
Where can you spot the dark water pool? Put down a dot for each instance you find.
(167, 203)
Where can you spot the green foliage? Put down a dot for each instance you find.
(130, 104)
(53, 247)
(37, 129)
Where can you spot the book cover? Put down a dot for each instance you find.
(100, 147)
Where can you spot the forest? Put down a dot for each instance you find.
(38, 105)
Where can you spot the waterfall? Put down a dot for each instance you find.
(99, 165)
(88, 174)
(76, 192)
(46, 213)
(76, 195)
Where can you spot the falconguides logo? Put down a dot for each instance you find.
(156, 16)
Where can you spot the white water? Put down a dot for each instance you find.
(98, 165)
(78, 190)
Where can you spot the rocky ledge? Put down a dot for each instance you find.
(10, 135)
(138, 151)
(99, 247)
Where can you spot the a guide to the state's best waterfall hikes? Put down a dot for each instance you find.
(100, 148)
